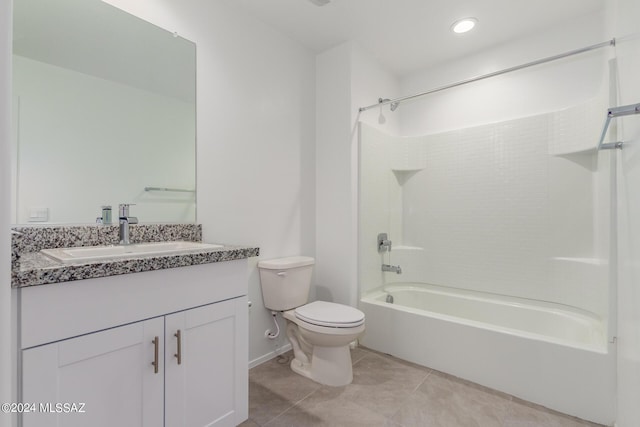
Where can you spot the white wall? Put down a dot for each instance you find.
(369, 82)
(347, 78)
(626, 17)
(68, 152)
(255, 132)
(6, 349)
(335, 250)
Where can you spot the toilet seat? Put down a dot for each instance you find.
(329, 314)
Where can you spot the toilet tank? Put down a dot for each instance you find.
(285, 282)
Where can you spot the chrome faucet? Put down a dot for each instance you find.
(125, 220)
(394, 268)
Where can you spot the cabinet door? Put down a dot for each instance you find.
(110, 372)
(208, 386)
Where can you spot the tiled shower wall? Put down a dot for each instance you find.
(510, 208)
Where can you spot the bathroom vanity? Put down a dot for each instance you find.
(164, 346)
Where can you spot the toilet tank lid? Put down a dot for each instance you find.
(284, 263)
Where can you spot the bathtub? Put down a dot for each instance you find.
(550, 354)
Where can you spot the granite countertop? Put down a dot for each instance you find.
(36, 268)
(30, 267)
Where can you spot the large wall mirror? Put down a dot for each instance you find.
(104, 113)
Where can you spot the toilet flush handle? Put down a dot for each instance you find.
(282, 273)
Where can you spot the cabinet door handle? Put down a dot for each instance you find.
(156, 348)
(178, 355)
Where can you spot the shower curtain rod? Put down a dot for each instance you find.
(611, 42)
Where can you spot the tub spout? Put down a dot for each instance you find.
(393, 268)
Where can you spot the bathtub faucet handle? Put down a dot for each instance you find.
(384, 243)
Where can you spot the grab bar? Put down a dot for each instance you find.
(612, 113)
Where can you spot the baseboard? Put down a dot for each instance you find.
(265, 358)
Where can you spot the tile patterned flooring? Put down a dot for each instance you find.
(386, 392)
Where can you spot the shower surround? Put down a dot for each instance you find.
(515, 210)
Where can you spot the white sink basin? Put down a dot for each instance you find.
(91, 253)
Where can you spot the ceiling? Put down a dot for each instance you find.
(408, 35)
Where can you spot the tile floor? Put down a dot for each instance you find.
(386, 392)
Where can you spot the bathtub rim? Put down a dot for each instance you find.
(376, 297)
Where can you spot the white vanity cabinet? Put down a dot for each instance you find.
(199, 387)
(95, 343)
(107, 374)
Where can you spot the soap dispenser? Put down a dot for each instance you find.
(106, 216)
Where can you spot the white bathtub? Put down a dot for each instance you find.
(550, 354)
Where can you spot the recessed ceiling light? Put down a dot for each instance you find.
(464, 25)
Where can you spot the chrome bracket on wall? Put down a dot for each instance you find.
(612, 113)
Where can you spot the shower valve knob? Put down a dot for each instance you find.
(384, 244)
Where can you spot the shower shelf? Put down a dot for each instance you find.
(589, 261)
(407, 248)
(401, 169)
(172, 190)
(403, 175)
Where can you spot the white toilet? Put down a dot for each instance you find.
(320, 332)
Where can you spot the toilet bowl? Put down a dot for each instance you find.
(320, 332)
(321, 343)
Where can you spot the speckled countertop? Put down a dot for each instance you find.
(30, 267)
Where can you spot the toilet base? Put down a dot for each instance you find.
(329, 366)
